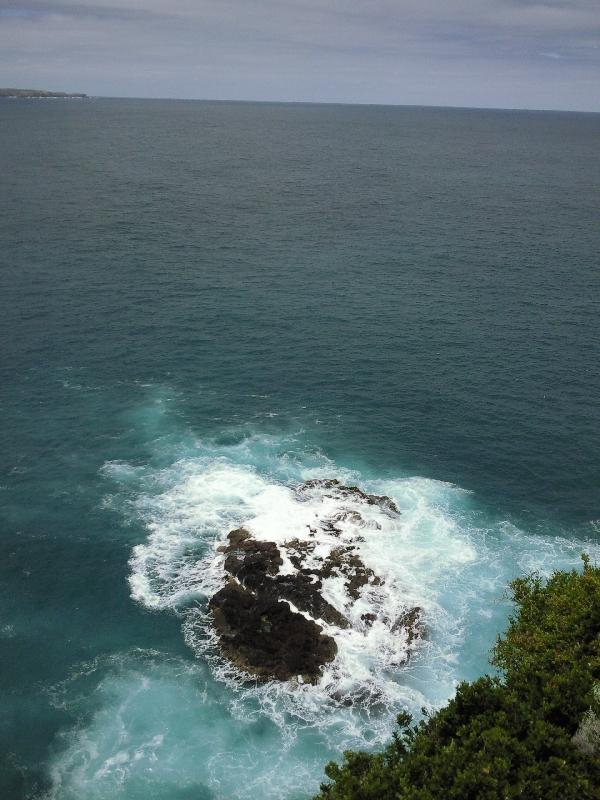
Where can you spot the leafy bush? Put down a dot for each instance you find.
(510, 736)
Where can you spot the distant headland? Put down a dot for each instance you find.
(39, 93)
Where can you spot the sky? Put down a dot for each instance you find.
(482, 53)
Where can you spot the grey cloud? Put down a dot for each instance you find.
(36, 10)
(537, 53)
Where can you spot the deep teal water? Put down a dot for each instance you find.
(201, 300)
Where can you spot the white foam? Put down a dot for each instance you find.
(436, 555)
(150, 725)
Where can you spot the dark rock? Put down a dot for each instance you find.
(304, 592)
(343, 561)
(256, 565)
(320, 483)
(237, 536)
(351, 516)
(298, 551)
(249, 560)
(259, 615)
(257, 629)
(356, 519)
(261, 635)
(411, 621)
(327, 526)
(332, 484)
(383, 501)
(370, 696)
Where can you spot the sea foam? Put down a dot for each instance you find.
(152, 722)
(436, 554)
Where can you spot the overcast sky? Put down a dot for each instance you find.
(499, 53)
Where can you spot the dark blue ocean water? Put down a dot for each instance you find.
(201, 301)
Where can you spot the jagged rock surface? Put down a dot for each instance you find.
(383, 501)
(261, 635)
(267, 620)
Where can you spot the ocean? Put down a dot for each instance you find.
(203, 305)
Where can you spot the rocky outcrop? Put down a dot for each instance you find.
(258, 630)
(249, 560)
(345, 562)
(271, 613)
(262, 636)
(411, 622)
(338, 489)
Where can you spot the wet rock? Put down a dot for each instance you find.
(333, 485)
(258, 631)
(304, 592)
(356, 519)
(411, 621)
(261, 635)
(269, 623)
(319, 483)
(298, 551)
(349, 516)
(343, 561)
(249, 560)
(383, 501)
(329, 527)
(366, 695)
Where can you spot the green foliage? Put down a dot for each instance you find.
(551, 651)
(506, 737)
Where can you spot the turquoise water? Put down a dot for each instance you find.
(202, 303)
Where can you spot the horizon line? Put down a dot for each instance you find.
(316, 103)
(344, 103)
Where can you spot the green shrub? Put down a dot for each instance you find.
(504, 737)
(550, 654)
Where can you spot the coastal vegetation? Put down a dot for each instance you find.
(39, 93)
(531, 731)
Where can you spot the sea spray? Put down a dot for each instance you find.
(436, 554)
(196, 727)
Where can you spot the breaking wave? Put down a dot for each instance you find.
(438, 553)
(150, 723)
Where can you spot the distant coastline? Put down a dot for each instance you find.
(39, 93)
